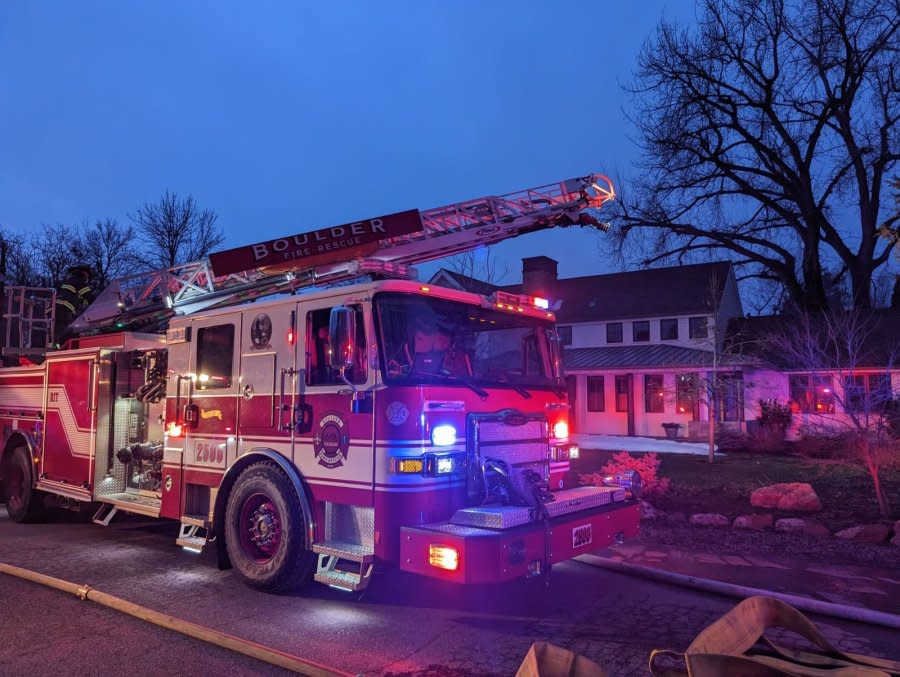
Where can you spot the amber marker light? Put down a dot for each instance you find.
(443, 557)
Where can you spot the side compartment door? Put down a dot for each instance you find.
(70, 418)
(211, 408)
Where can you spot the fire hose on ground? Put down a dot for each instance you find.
(223, 640)
(842, 611)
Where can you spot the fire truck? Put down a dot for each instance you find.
(309, 409)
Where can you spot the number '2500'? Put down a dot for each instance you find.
(207, 453)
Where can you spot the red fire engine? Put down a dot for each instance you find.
(352, 419)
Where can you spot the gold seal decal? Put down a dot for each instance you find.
(211, 413)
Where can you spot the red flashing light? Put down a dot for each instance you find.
(561, 430)
(291, 337)
(443, 557)
(174, 429)
(424, 289)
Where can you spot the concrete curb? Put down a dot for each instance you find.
(849, 613)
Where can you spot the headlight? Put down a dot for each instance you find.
(443, 435)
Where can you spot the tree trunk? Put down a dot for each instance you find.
(861, 287)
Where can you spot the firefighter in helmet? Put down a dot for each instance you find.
(73, 296)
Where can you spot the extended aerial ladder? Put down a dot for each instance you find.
(145, 301)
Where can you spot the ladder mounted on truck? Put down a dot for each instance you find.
(385, 245)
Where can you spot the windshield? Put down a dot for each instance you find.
(430, 340)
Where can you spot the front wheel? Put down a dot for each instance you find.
(23, 502)
(264, 530)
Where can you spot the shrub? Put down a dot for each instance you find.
(774, 413)
(647, 465)
(829, 445)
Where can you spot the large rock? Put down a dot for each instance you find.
(866, 533)
(756, 522)
(798, 496)
(798, 525)
(709, 519)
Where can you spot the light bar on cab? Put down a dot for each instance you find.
(519, 302)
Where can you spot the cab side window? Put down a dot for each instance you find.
(318, 351)
(215, 353)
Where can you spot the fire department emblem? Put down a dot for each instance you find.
(331, 441)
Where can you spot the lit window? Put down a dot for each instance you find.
(812, 394)
(215, 354)
(654, 397)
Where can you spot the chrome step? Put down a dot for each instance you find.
(104, 514)
(133, 503)
(192, 536)
(333, 552)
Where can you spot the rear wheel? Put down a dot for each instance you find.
(264, 530)
(23, 502)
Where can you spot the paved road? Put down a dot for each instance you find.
(402, 625)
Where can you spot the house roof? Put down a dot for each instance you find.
(466, 283)
(654, 292)
(651, 356)
(765, 337)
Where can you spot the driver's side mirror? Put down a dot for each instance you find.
(342, 337)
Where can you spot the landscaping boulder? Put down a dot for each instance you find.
(756, 522)
(865, 533)
(709, 519)
(798, 496)
(648, 512)
(798, 525)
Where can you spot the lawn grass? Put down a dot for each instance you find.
(725, 486)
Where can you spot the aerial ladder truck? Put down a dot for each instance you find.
(355, 418)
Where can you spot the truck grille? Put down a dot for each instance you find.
(521, 442)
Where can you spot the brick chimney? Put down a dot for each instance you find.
(539, 276)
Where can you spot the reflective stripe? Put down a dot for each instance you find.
(65, 304)
(69, 288)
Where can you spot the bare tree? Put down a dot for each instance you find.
(768, 133)
(109, 250)
(17, 266)
(175, 230)
(480, 264)
(839, 344)
(54, 249)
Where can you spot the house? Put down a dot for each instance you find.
(638, 344)
(648, 347)
(830, 371)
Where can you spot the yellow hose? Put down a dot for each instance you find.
(221, 639)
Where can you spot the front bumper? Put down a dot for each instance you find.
(493, 555)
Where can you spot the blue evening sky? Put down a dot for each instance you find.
(285, 117)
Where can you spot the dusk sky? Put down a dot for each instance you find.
(286, 117)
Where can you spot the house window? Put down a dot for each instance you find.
(613, 332)
(565, 334)
(811, 393)
(654, 397)
(572, 390)
(641, 331)
(668, 330)
(318, 362)
(697, 328)
(686, 393)
(215, 351)
(623, 394)
(867, 393)
(595, 401)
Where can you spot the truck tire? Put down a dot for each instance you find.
(23, 502)
(264, 530)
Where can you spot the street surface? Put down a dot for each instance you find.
(402, 625)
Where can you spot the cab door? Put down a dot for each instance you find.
(211, 406)
(334, 441)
